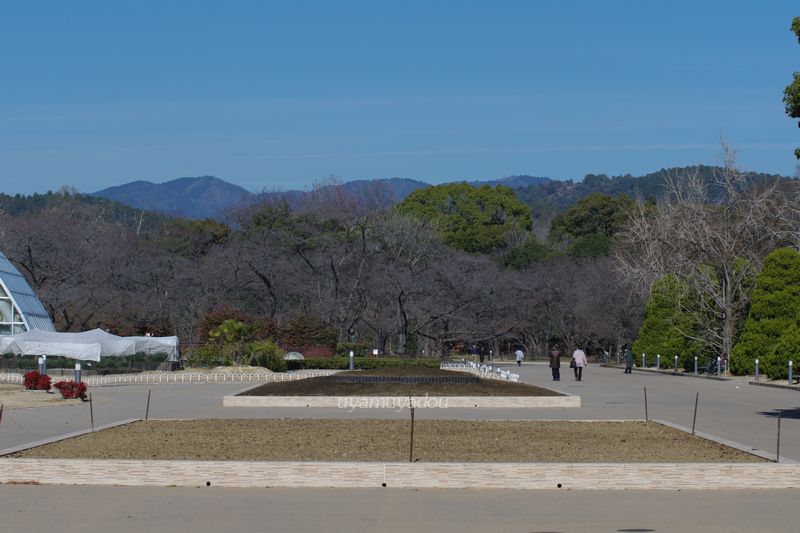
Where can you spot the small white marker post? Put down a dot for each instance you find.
(643, 360)
(77, 372)
(695, 365)
(658, 362)
(790, 373)
(352, 366)
(676, 363)
(756, 366)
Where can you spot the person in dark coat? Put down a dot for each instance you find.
(628, 360)
(555, 363)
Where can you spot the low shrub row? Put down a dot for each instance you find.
(69, 390)
(368, 363)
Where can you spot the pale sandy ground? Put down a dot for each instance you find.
(15, 396)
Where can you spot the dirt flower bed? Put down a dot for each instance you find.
(331, 386)
(388, 440)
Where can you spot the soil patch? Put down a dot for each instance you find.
(388, 441)
(15, 396)
(336, 386)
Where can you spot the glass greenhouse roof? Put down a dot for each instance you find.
(20, 309)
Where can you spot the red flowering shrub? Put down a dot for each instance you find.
(33, 380)
(70, 390)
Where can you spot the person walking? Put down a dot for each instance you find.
(628, 360)
(519, 356)
(579, 360)
(555, 363)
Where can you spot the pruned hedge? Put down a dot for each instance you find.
(368, 363)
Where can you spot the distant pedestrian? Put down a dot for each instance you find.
(519, 356)
(579, 360)
(628, 360)
(555, 363)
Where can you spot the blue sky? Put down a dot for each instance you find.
(277, 95)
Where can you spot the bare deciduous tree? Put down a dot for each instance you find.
(714, 236)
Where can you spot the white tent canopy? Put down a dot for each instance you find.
(85, 346)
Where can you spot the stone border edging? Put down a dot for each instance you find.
(397, 402)
(773, 385)
(50, 440)
(672, 373)
(529, 476)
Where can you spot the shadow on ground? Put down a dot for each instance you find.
(785, 413)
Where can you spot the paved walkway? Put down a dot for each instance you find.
(728, 409)
(215, 510)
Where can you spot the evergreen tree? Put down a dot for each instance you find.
(668, 329)
(473, 219)
(773, 315)
(588, 228)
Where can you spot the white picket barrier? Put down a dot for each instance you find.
(179, 377)
(481, 370)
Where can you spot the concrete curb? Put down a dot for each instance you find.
(529, 476)
(399, 402)
(671, 373)
(773, 385)
(240, 399)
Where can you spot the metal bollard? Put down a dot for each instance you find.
(719, 364)
(352, 366)
(676, 363)
(643, 366)
(790, 372)
(42, 368)
(658, 361)
(695, 365)
(756, 369)
(77, 372)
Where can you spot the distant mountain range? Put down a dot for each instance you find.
(211, 197)
(203, 197)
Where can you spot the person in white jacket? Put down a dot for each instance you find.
(579, 358)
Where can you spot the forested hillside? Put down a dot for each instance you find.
(449, 265)
(552, 196)
(375, 275)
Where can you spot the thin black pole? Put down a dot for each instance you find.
(778, 447)
(411, 445)
(694, 419)
(646, 417)
(91, 410)
(1, 412)
(147, 411)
